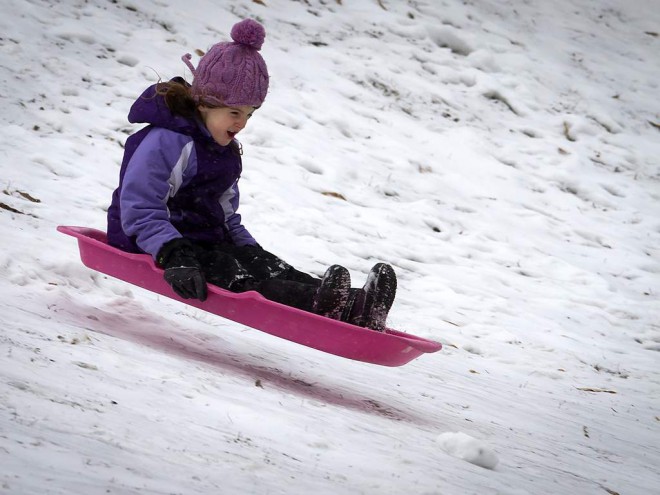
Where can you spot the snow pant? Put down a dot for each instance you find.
(244, 268)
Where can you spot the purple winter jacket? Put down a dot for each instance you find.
(175, 181)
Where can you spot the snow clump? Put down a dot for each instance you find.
(468, 448)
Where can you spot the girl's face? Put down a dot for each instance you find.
(225, 122)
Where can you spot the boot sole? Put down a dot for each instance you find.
(380, 290)
(332, 296)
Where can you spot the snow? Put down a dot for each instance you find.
(503, 156)
(468, 448)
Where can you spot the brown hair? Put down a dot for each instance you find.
(179, 100)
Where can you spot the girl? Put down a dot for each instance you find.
(178, 192)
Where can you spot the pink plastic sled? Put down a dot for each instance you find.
(390, 348)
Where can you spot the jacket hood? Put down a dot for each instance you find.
(150, 108)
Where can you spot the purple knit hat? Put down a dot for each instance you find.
(232, 73)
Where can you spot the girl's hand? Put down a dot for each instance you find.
(188, 282)
(182, 269)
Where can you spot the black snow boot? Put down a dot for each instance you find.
(370, 305)
(331, 296)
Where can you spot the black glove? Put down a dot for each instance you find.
(182, 269)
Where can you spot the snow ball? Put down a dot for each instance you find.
(484, 60)
(448, 37)
(468, 448)
(128, 60)
(75, 35)
(473, 349)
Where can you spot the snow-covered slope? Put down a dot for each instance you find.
(503, 155)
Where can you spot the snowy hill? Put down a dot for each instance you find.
(502, 155)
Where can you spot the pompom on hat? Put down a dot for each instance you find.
(232, 73)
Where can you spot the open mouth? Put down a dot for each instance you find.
(231, 134)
